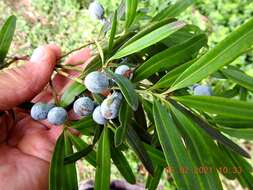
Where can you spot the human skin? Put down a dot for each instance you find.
(26, 145)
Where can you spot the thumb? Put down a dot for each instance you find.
(21, 84)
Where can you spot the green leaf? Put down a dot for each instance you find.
(173, 148)
(239, 77)
(125, 114)
(149, 39)
(113, 30)
(147, 30)
(173, 10)
(218, 105)
(167, 80)
(56, 165)
(153, 182)
(140, 117)
(156, 155)
(123, 166)
(241, 133)
(214, 133)
(233, 122)
(242, 167)
(85, 126)
(131, 10)
(170, 57)
(97, 134)
(70, 175)
(201, 153)
(135, 142)
(126, 88)
(6, 35)
(182, 35)
(224, 53)
(103, 169)
(71, 93)
(81, 145)
(78, 155)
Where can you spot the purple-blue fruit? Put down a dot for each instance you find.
(124, 70)
(110, 106)
(97, 116)
(83, 106)
(40, 110)
(96, 10)
(202, 90)
(57, 116)
(96, 82)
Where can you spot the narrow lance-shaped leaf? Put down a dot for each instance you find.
(241, 133)
(214, 133)
(97, 134)
(149, 39)
(135, 142)
(233, 122)
(170, 57)
(122, 164)
(239, 77)
(113, 30)
(70, 175)
(173, 10)
(219, 158)
(85, 126)
(171, 76)
(153, 182)
(6, 35)
(218, 105)
(70, 94)
(56, 165)
(103, 169)
(148, 29)
(174, 150)
(156, 155)
(242, 168)
(126, 88)
(224, 53)
(78, 155)
(197, 144)
(81, 145)
(131, 10)
(125, 114)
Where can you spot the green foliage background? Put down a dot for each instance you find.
(67, 23)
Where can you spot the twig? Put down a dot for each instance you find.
(77, 49)
(55, 95)
(14, 59)
(59, 71)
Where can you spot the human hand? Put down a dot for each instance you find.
(27, 145)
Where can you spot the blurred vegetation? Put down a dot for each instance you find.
(67, 23)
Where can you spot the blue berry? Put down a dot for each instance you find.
(96, 82)
(202, 90)
(57, 116)
(110, 106)
(97, 116)
(40, 110)
(124, 70)
(83, 106)
(96, 10)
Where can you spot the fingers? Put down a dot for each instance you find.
(61, 82)
(22, 84)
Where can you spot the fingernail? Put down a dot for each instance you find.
(38, 54)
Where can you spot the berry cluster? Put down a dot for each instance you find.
(96, 82)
